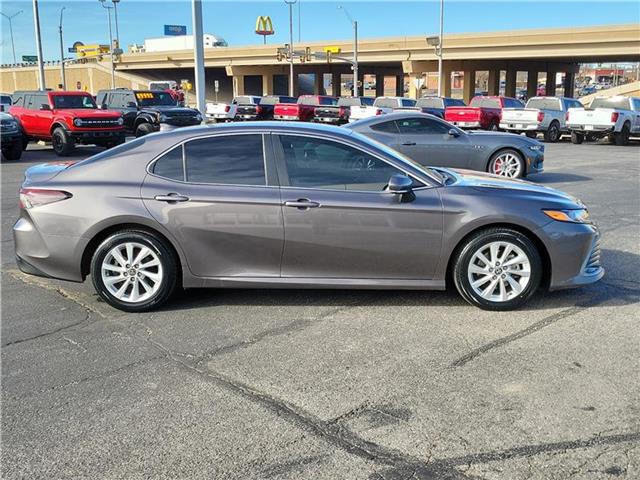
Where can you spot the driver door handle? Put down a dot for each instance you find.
(301, 204)
(408, 143)
(171, 197)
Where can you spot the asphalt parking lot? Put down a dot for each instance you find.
(328, 384)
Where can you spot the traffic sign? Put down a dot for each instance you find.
(332, 49)
(175, 29)
(29, 58)
(216, 85)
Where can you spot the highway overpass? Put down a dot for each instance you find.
(254, 69)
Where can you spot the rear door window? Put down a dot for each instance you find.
(422, 126)
(226, 160)
(385, 127)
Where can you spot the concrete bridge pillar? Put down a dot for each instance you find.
(413, 89)
(510, 84)
(267, 83)
(318, 84)
(379, 85)
(399, 85)
(446, 81)
(336, 86)
(532, 83)
(469, 87)
(569, 84)
(238, 85)
(550, 84)
(493, 87)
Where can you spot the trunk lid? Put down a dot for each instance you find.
(287, 109)
(45, 171)
(463, 114)
(520, 115)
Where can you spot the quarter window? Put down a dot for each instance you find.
(324, 164)
(228, 160)
(386, 127)
(422, 125)
(170, 165)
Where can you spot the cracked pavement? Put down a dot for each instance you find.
(292, 384)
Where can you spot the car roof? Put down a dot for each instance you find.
(389, 117)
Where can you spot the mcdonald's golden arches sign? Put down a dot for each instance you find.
(264, 26)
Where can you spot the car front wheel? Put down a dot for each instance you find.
(134, 271)
(63, 143)
(498, 269)
(13, 151)
(507, 163)
(144, 129)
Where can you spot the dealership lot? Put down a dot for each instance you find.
(327, 384)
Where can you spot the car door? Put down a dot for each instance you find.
(341, 224)
(635, 114)
(42, 119)
(428, 141)
(221, 203)
(127, 105)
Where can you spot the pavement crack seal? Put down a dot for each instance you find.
(52, 332)
(539, 325)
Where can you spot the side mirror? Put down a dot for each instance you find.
(45, 106)
(131, 105)
(454, 133)
(399, 184)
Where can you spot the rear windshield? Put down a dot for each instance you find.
(328, 101)
(351, 101)
(5, 99)
(485, 102)
(150, 99)
(246, 100)
(429, 102)
(621, 103)
(269, 100)
(544, 103)
(73, 101)
(386, 102)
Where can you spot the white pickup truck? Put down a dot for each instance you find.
(616, 117)
(546, 115)
(221, 112)
(380, 106)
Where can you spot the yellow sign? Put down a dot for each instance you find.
(332, 49)
(143, 95)
(264, 26)
(92, 50)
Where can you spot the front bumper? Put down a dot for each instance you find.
(9, 137)
(90, 136)
(534, 161)
(574, 251)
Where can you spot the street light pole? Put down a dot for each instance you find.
(11, 17)
(354, 23)
(198, 53)
(113, 68)
(62, 74)
(440, 48)
(290, 3)
(36, 25)
(115, 17)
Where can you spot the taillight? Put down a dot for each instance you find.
(378, 111)
(566, 116)
(614, 117)
(227, 108)
(258, 109)
(540, 116)
(35, 197)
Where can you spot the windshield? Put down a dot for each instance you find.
(402, 158)
(160, 85)
(429, 102)
(621, 103)
(73, 101)
(150, 99)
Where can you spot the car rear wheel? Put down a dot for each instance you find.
(493, 127)
(507, 163)
(622, 138)
(552, 134)
(63, 143)
(577, 138)
(134, 271)
(144, 129)
(13, 151)
(498, 269)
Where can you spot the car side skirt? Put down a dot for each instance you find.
(314, 283)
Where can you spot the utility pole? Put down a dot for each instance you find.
(62, 75)
(290, 3)
(198, 53)
(36, 24)
(440, 48)
(10, 18)
(113, 68)
(115, 17)
(354, 23)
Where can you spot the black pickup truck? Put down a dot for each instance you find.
(259, 108)
(339, 114)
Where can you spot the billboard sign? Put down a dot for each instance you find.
(175, 29)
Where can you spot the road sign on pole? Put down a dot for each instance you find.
(29, 58)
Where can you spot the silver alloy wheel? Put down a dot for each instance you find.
(507, 164)
(499, 271)
(132, 272)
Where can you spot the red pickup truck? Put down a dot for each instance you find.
(483, 112)
(304, 109)
(65, 119)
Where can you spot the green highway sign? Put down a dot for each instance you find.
(29, 58)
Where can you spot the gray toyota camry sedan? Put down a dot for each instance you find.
(432, 141)
(271, 205)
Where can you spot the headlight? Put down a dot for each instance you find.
(580, 215)
(9, 124)
(199, 117)
(77, 122)
(536, 148)
(162, 117)
(121, 121)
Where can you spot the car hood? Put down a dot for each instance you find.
(170, 109)
(486, 181)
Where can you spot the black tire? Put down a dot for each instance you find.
(493, 127)
(533, 135)
(622, 138)
(491, 167)
(577, 138)
(144, 129)
(13, 151)
(114, 143)
(478, 241)
(159, 247)
(63, 143)
(552, 134)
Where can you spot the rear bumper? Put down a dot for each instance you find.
(521, 127)
(285, 117)
(463, 124)
(591, 129)
(331, 120)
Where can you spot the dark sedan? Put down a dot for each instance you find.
(432, 141)
(281, 205)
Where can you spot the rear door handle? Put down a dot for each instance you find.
(409, 143)
(301, 204)
(171, 197)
